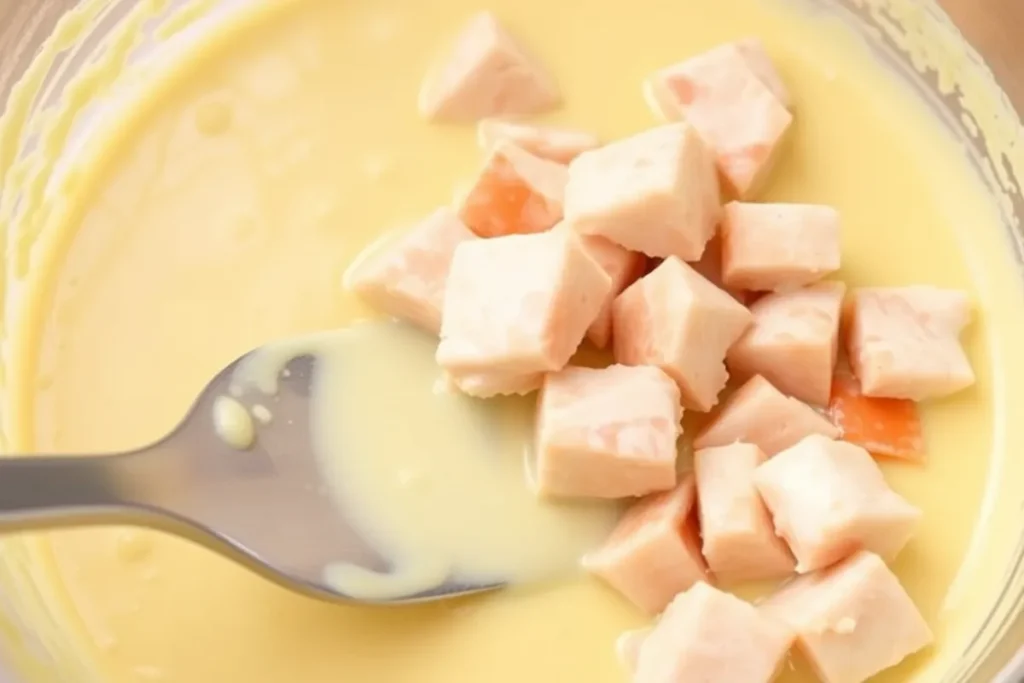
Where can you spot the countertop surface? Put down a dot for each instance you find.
(993, 26)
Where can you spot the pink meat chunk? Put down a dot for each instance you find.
(561, 145)
(758, 413)
(794, 341)
(852, 620)
(736, 99)
(654, 552)
(739, 540)
(517, 307)
(486, 72)
(624, 267)
(514, 193)
(675, 319)
(607, 433)
(904, 342)
(708, 635)
(655, 192)
(710, 266)
(405, 277)
(778, 247)
(828, 499)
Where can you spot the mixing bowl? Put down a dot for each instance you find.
(961, 56)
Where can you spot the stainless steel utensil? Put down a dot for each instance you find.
(266, 506)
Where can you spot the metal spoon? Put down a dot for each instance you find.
(266, 507)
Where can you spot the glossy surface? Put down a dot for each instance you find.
(305, 178)
(434, 481)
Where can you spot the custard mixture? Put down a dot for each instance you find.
(218, 206)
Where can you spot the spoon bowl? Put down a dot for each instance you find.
(265, 504)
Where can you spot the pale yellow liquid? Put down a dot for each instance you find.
(435, 481)
(225, 213)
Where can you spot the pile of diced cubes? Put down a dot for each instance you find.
(563, 240)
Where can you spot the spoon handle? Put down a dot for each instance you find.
(39, 492)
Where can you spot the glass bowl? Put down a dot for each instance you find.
(976, 97)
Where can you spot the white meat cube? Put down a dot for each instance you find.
(675, 319)
(517, 307)
(759, 414)
(904, 342)
(607, 433)
(486, 72)
(778, 247)
(852, 620)
(828, 499)
(739, 540)
(710, 636)
(654, 552)
(736, 99)
(655, 192)
(793, 341)
(405, 277)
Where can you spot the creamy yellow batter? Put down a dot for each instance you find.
(434, 480)
(220, 210)
(233, 423)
